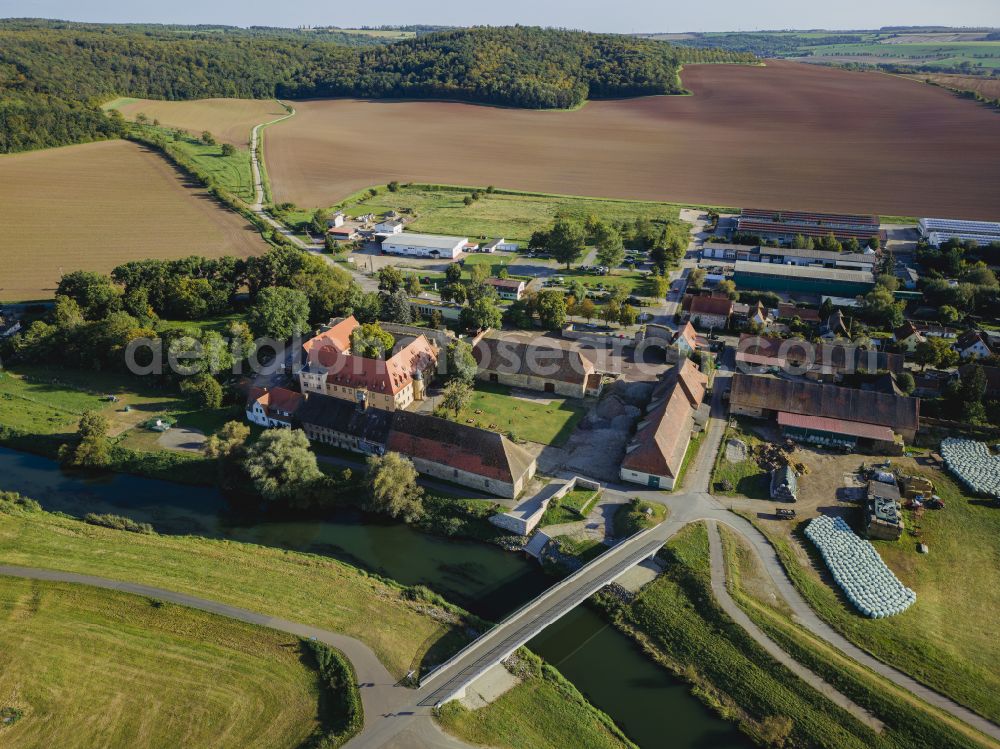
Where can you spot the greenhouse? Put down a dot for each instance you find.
(974, 465)
(867, 582)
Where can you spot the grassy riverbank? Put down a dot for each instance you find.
(676, 620)
(90, 667)
(301, 587)
(544, 712)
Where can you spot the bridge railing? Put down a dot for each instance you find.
(515, 614)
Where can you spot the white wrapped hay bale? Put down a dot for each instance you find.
(868, 583)
(973, 464)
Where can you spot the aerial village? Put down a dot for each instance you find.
(829, 345)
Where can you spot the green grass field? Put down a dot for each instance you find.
(543, 712)
(569, 508)
(230, 172)
(750, 588)
(89, 667)
(677, 621)
(46, 400)
(946, 638)
(533, 419)
(938, 54)
(746, 477)
(296, 586)
(514, 215)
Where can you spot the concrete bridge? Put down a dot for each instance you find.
(449, 680)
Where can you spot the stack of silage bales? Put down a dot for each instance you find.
(858, 569)
(973, 464)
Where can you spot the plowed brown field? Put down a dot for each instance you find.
(786, 135)
(229, 120)
(96, 205)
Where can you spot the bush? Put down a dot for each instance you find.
(344, 714)
(13, 503)
(118, 522)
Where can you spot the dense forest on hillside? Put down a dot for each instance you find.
(53, 75)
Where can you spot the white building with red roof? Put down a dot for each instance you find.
(272, 408)
(389, 383)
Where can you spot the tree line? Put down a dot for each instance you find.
(54, 75)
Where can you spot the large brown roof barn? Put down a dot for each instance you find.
(771, 395)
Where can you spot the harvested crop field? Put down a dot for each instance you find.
(96, 205)
(785, 135)
(988, 87)
(229, 120)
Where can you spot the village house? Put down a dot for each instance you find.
(545, 367)
(394, 382)
(335, 220)
(439, 448)
(508, 288)
(708, 311)
(973, 344)
(788, 311)
(343, 233)
(907, 337)
(656, 453)
(272, 408)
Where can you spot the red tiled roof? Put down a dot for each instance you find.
(830, 401)
(689, 334)
(805, 314)
(386, 376)
(455, 445)
(835, 426)
(276, 402)
(710, 305)
(661, 440)
(322, 349)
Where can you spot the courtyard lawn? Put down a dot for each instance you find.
(746, 478)
(945, 639)
(91, 667)
(535, 417)
(569, 508)
(440, 209)
(297, 586)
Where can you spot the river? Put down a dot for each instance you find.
(653, 708)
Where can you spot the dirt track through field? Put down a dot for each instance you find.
(786, 135)
(96, 205)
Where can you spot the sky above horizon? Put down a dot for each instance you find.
(628, 15)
